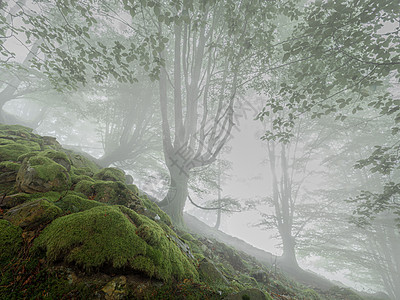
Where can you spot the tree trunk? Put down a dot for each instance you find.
(289, 253)
(174, 202)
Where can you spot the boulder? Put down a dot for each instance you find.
(115, 289)
(110, 174)
(8, 171)
(41, 174)
(261, 276)
(32, 214)
(210, 274)
(118, 238)
(110, 192)
(249, 294)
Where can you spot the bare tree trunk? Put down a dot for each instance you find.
(174, 202)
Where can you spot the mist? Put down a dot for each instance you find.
(269, 126)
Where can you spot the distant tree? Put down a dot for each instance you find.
(370, 251)
(340, 53)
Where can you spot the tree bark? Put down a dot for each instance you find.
(174, 202)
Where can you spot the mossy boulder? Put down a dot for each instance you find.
(10, 241)
(8, 171)
(82, 165)
(110, 192)
(117, 237)
(74, 203)
(32, 214)
(249, 294)
(16, 140)
(42, 174)
(210, 274)
(110, 174)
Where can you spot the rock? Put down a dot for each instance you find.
(115, 289)
(261, 276)
(12, 200)
(110, 174)
(210, 274)
(249, 294)
(8, 171)
(51, 142)
(128, 179)
(110, 192)
(30, 215)
(118, 238)
(42, 174)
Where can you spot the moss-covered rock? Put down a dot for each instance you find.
(41, 174)
(250, 294)
(31, 214)
(8, 171)
(10, 241)
(309, 294)
(210, 274)
(16, 140)
(74, 203)
(110, 174)
(82, 165)
(110, 192)
(118, 237)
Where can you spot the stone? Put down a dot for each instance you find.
(8, 171)
(261, 276)
(249, 294)
(30, 215)
(210, 274)
(115, 289)
(41, 174)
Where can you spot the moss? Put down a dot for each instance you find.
(9, 166)
(85, 187)
(74, 203)
(29, 278)
(116, 236)
(110, 174)
(81, 163)
(11, 151)
(111, 192)
(10, 241)
(153, 210)
(32, 214)
(134, 189)
(76, 178)
(309, 294)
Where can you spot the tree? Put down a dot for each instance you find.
(340, 53)
(370, 252)
(215, 47)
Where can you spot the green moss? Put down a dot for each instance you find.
(111, 192)
(10, 241)
(76, 178)
(309, 294)
(134, 189)
(116, 236)
(49, 170)
(11, 151)
(80, 162)
(85, 187)
(9, 166)
(153, 210)
(32, 214)
(74, 203)
(110, 174)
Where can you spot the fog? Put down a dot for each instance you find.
(273, 123)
